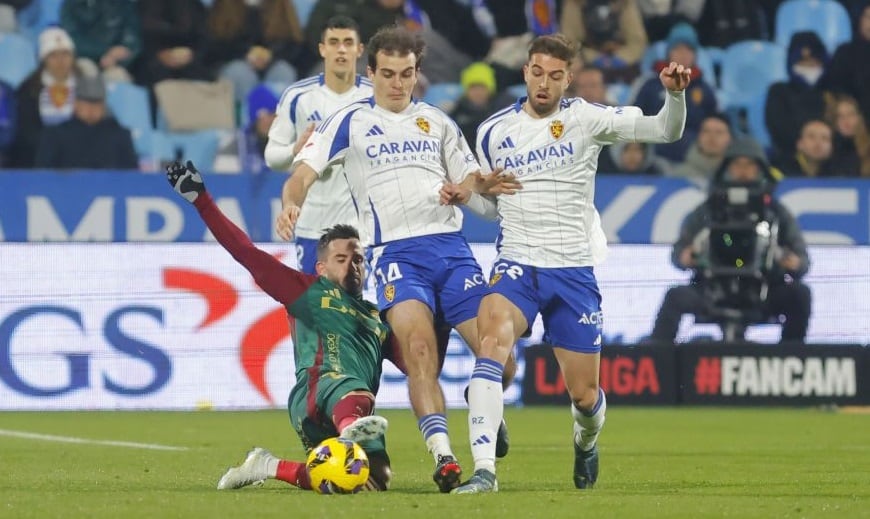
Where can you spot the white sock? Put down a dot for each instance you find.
(485, 411)
(434, 429)
(587, 424)
(272, 466)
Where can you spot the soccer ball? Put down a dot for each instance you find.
(338, 466)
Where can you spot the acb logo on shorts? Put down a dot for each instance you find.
(389, 292)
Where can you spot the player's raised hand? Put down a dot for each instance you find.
(286, 223)
(454, 194)
(675, 78)
(300, 142)
(498, 182)
(185, 180)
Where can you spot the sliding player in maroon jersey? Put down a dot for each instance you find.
(338, 342)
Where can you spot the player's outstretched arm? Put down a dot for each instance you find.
(281, 282)
(293, 195)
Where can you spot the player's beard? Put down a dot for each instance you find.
(544, 108)
(352, 284)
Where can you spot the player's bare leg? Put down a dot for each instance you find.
(413, 325)
(588, 406)
(500, 323)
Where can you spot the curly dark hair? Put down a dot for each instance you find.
(556, 45)
(395, 40)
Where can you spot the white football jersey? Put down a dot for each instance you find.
(552, 221)
(302, 103)
(395, 164)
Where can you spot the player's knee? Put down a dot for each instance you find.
(421, 358)
(585, 397)
(492, 348)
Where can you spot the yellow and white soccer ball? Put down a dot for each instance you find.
(338, 466)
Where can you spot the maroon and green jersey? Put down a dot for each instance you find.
(335, 331)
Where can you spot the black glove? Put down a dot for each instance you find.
(186, 180)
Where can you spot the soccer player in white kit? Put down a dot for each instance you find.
(397, 153)
(303, 106)
(550, 237)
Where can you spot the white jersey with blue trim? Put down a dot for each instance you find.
(395, 164)
(552, 222)
(302, 103)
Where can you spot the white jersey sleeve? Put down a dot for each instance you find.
(610, 124)
(282, 133)
(458, 158)
(330, 141)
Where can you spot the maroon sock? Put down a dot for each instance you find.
(295, 473)
(349, 408)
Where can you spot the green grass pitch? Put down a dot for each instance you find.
(655, 462)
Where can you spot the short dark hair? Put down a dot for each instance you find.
(395, 40)
(340, 22)
(556, 45)
(337, 232)
(719, 116)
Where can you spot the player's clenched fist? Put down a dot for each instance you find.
(286, 222)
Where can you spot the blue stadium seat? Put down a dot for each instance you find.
(131, 106)
(17, 58)
(755, 120)
(748, 69)
(828, 18)
(37, 16)
(303, 9)
(620, 93)
(443, 95)
(656, 51)
(517, 91)
(201, 147)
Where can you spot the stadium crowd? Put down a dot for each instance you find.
(756, 70)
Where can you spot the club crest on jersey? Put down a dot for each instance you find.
(390, 292)
(423, 124)
(495, 278)
(556, 128)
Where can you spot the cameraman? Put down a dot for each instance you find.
(744, 164)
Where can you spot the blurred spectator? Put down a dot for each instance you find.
(7, 120)
(453, 39)
(851, 137)
(8, 11)
(814, 149)
(682, 45)
(91, 139)
(261, 112)
(46, 97)
(173, 37)
(724, 22)
(105, 32)
(630, 158)
(511, 24)
(745, 163)
(251, 44)
(706, 153)
(588, 83)
(791, 103)
(660, 15)
(847, 73)
(477, 102)
(611, 33)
